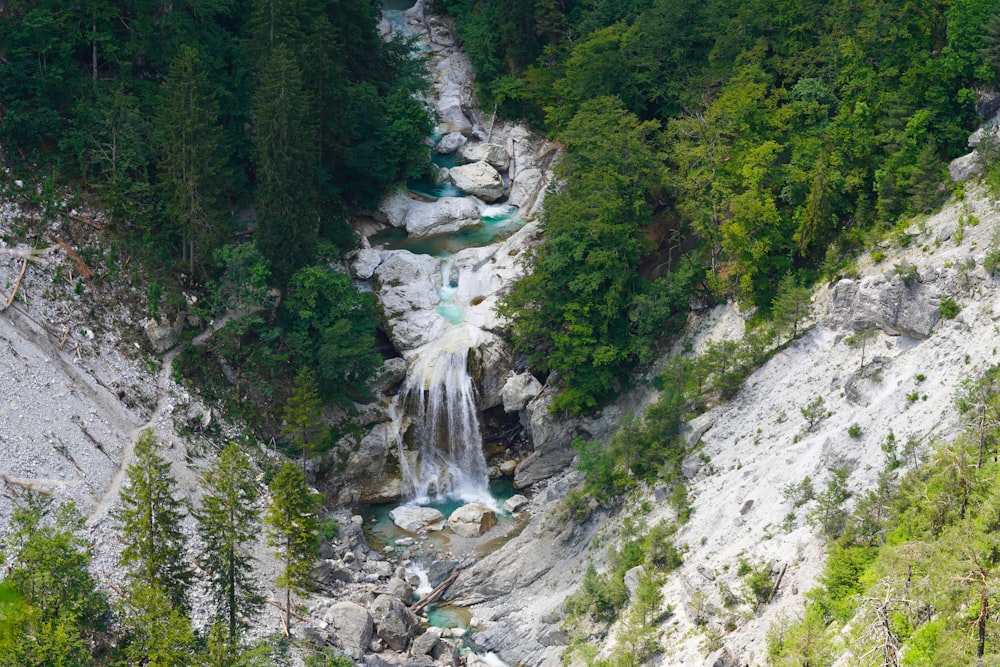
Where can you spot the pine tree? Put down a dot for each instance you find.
(292, 523)
(159, 632)
(303, 415)
(189, 140)
(149, 523)
(285, 158)
(790, 306)
(227, 523)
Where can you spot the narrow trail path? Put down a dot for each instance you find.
(163, 383)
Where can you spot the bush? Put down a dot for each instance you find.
(948, 308)
(907, 272)
(854, 430)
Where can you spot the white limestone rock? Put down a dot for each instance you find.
(448, 214)
(472, 520)
(478, 179)
(416, 519)
(518, 390)
(494, 155)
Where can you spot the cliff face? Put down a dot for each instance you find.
(755, 446)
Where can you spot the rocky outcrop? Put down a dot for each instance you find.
(518, 390)
(886, 303)
(448, 214)
(472, 520)
(365, 262)
(450, 143)
(407, 288)
(515, 503)
(496, 156)
(552, 438)
(352, 625)
(394, 623)
(416, 519)
(478, 179)
(525, 187)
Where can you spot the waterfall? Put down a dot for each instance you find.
(440, 398)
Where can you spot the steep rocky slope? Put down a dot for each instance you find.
(759, 443)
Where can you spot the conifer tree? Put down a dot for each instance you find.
(285, 158)
(189, 140)
(159, 632)
(227, 522)
(790, 306)
(149, 524)
(292, 523)
(303, 415)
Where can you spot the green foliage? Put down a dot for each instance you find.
(149, 524)
(51, 610)
(854, 430)
(292, 523)
(228, 526)
(328, 658)
(160, 634)
(757, 582)
(302, 418)
(949, 308)
(814, 412)
(799, 494)
(790, 306)
(331, 328)
(829, 516)
(570, 315)
(907, 272)
(191, 165)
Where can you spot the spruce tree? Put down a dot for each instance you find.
(790, 306)
(149, 523)
(292, 523)
(303, 415)
(227, 523)
(189, 141)
(285, 157)
(159, 632)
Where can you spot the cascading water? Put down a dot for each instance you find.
(440, 397)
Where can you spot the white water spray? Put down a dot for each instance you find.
(440, 398)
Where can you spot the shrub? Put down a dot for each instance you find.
(948, 308)
(854, 430)
(907, 272)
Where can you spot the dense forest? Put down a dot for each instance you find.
(714, 148)
(194, 123)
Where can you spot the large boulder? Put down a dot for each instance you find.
(408, 291)
(392, 209)
(450, 143)
(886, 303)
(448, 214)
(478, 179)
(496, 156)
(365, 262)
(472, 520)
(395, 624)
(416, 519)
(525, 186)
(353, 626)
(518, 390)
(966, 167)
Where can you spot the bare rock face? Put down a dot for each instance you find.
(518, 390)
(472, 520)
(395, 624)
(525, 186)
(352, 624)
(407, 289)
(365, 262)
(450, 143)
(478, 179)
(496, 156)
(515, 503)
(966, 167)
(415, 519)
(888, 304)
(448, 214)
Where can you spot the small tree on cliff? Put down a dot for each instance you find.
(292, 523)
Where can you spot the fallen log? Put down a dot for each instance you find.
(439, 590)
(17, 285)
